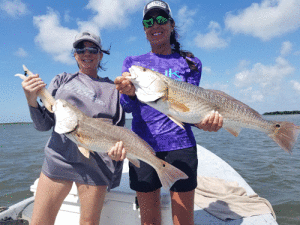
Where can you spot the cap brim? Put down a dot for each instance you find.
(85, 39)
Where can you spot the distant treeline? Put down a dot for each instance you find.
(16, 123)
(282, 113)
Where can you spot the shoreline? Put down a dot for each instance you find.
(282, 112)
(22, 123)
(295, 112)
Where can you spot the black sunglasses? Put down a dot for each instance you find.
(160, 20)
(91, 50)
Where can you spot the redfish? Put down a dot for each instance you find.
(186, 103)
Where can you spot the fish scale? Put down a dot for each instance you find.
(217, 102)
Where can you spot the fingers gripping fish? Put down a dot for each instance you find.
(44, 95)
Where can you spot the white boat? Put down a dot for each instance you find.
(120, 203)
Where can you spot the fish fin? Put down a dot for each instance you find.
(134, 161)
(22, 76)
(169, 174)
(234, 131)
(178, 106)
(84, 151)
(176, 121)
(285, 135)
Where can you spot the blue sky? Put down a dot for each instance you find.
(249, 49)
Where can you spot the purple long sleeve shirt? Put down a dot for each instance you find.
(151, 125)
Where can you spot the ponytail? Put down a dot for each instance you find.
(176, 48)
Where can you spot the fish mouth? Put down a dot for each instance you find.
(132, 74)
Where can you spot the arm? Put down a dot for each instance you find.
(43, 120)
(128, 98)
(31, 86)
(126, 88)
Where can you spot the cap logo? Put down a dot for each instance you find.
(157, 3)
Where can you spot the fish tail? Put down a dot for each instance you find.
(169, 174)
(285, 135)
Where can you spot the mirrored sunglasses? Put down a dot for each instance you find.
(91, 50)
(160, 20)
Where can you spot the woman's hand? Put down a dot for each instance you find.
(125, 86)
(31, 86)
(117, 152)
(212, 122)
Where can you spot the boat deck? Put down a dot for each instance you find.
(120, 207)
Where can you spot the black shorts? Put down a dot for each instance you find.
(145, 178)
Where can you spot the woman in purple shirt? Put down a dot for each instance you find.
(170, 142)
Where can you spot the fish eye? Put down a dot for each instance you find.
(144, 69)
(278, 125)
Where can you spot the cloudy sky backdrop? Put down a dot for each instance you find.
(249, 49)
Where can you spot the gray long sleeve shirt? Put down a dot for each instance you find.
(97, 98)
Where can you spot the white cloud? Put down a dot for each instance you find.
(206, 69)
(286, 48)
(21, 53)
(57, 40)
(184, 19)
(67, 17)
(53, 38)
(267, 20)
(296, 85)
(110, 14)
(264, 75)
(14, 8)
(212, 39)
(252, 95)
(243, 64)
(132, 39)
(263, 80)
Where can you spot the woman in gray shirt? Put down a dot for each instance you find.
(97, 97)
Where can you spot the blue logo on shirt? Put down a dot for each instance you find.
(169, 73)
(172, 73)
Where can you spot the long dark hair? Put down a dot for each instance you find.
(175, 45)
(100, 65)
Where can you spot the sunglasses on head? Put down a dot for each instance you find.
(91, 50)
(160, 20)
